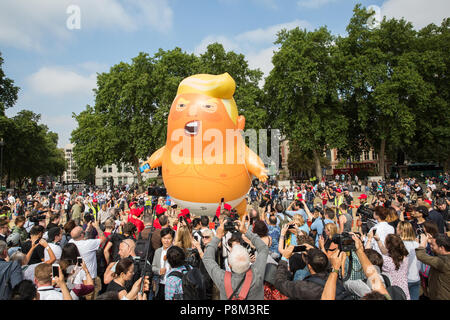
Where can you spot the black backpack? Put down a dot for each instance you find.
(193, 282)
(395, 292)
(341, 292)
(141, 245)
(116, 239)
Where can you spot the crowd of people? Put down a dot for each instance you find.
(332, 240)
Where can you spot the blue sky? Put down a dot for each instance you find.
(56, 67)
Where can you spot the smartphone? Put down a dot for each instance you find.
(299, 249)
(374, 231)
(55, 270)
(79, 261)
(246, 218)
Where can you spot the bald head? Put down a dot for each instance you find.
(126, 248)
(77, 233)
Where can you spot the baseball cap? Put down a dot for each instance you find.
(94, 200)
(338, 190)
(363, 196)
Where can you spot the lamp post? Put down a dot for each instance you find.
(2, 143)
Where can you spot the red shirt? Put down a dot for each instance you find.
(137, 211)
(156, 224)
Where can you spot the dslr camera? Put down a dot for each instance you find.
(344, 241)
(36, 217)
(89, 218)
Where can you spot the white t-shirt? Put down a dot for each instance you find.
(165, 264)
(57, 250)
(413, 263)
(49, 293)
(383, 229)
(88, 249)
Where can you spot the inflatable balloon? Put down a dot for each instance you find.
(205, 157)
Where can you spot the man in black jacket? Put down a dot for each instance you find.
(311, 287)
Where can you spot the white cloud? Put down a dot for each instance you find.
(419, 12)
(26, 23)
(313, 4)
(257, 45)
(60, 81)
(62, 124)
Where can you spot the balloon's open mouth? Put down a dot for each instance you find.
(191, 128)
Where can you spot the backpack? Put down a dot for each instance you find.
(341, 292)
(193, 258)
(141, 245)
(245, 284)
(395, 292)
(193, 283)
(116, 239)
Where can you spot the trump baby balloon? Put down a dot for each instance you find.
(205, 157)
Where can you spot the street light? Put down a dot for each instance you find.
(2, 143)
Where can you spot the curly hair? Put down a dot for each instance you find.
(396, 249)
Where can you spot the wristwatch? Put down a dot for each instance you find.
(335, 270)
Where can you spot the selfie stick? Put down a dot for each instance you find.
(147, 247)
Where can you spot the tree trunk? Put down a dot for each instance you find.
(317, 165)
(139, 175)
(381, 171)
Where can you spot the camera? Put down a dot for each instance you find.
(229, 225)
(89, 218)
(365, 212)
(344, 241)
(35, 218)
(157, 191)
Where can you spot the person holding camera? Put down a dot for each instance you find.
(439, 275)
(312, 286)
(47, 283)
(246, 280)
(88, 249)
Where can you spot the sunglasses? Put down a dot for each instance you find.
(206, 237)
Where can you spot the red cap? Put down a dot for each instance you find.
(363, 196)
(94, 200)
(299, 195)
(160, 210)
(338, 190)
(184, 212)
(226, 206)
(428, 201)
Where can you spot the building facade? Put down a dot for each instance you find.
(121, 175)
(70, 175)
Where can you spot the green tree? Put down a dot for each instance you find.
(301, 163)
(301, 93)
(381, 87)
(8, 91)
(431, 141)
(118, 128)
(30, 150)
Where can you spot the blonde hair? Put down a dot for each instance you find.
(183, 238)
(298, 219)
(217, 86)
(331, 228)
(406, 231)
